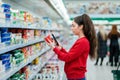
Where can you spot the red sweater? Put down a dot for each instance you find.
(75, 59)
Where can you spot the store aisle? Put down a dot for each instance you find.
(99, 72)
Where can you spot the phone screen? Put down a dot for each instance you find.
(55, 40)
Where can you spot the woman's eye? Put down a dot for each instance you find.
(73, 25)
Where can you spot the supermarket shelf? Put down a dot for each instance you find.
(16, 46)
(53, 29)
(14, 70)
(31, 27)
(34, 73)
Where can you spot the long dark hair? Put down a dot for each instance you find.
(89, 32)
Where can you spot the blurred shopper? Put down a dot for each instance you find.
(76, 58)
(102, 45)
(114, 45)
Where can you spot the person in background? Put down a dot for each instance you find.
(76, 58)
(102, 45)
(114, 45)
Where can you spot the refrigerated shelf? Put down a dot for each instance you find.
(16, 46)
(34, 73)
(12, 71)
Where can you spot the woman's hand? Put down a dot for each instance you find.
(59, 47)
(51, 43)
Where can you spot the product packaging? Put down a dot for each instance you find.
(47, 38)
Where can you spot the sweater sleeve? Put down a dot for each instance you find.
(63, 50)
(74, 53)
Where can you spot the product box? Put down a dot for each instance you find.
(25, 51)
(31, 36)
(3, 30)
(47, 38)
(5, 39)
(30, 50)
(6, 61)
(37, 33)
(5, 56)
(7, 66)
(5, 34)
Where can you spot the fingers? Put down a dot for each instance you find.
(50, 41)
(47, 43)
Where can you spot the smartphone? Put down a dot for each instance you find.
(55, 40)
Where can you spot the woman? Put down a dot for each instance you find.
(76, 58)
(114, 45)
(102, 45)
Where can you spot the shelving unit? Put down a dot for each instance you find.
(16, 46)
(40, 67)
(25, 26)
(35, 28)
(14, 70)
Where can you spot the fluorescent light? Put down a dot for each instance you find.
(59, 6)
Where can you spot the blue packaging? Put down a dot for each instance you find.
(9, 38)
(6, 11)
(5, 39)
(7, 15)
(5, 61)
(5, 56)
(7, 66)
(4, 30)
(6, 6)
(5, 34)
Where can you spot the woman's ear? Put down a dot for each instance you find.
(81, 27)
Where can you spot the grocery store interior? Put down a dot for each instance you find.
(24, 24)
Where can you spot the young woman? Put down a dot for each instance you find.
(114, 45)
(102, 45)
(76, 58)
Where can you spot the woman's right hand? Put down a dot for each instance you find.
(59, 47)
(50, 43)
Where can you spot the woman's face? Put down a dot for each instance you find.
(75, 28)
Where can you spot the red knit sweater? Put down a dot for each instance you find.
(75, 59)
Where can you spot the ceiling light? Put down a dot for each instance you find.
(59, 6)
